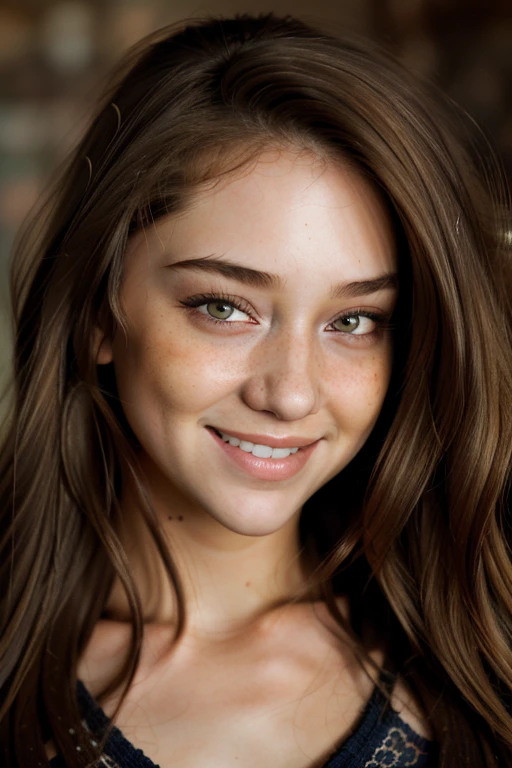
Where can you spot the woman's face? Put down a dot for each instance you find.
(258, 314)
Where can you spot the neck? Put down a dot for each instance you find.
(228, 579)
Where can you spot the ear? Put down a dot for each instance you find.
(102, 344)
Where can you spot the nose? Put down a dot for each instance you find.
(285, 377)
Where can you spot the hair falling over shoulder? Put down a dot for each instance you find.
(417, 530)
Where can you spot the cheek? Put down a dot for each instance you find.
(161, 369)
(358, 390)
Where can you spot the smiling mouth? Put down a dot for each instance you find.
(264, 462)
(257, 449)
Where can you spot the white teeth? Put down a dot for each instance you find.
(231, 440)
(260, 451)
(281, 453)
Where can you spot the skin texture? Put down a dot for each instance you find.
(286, 689)
(281, 372)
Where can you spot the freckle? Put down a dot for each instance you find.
(247, 583)
(169, 518)
(180, 517)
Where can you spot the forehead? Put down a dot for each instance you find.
(289, 213)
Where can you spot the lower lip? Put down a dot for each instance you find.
(266, 469)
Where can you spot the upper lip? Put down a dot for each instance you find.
(270, 440)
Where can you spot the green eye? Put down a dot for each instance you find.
(220, 310)
(347, 324)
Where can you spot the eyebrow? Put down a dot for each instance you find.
(258, 279)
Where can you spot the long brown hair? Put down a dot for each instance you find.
(422, 546)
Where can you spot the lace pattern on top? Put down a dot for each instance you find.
(381, 739)
(107, 761)
(104, 760)
(397, 749)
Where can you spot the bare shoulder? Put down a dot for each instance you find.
(104, 655)
(100, 661)
(404, 702)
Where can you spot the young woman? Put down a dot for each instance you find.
(255, 489)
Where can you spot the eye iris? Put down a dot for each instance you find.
(347, 323)
(219, 309)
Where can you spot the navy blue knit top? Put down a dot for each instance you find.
(380, 739)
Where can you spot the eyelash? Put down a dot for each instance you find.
(208, 298)
(381, 320)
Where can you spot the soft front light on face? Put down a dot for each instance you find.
(290, 396)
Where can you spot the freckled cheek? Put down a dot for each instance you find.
(178, 373)
(358, 390)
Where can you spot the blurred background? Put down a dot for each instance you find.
(54, 53)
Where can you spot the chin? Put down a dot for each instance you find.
(255, 528)
(260, 520)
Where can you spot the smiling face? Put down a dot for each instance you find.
(251, 316)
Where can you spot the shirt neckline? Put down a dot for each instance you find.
(377, 716)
